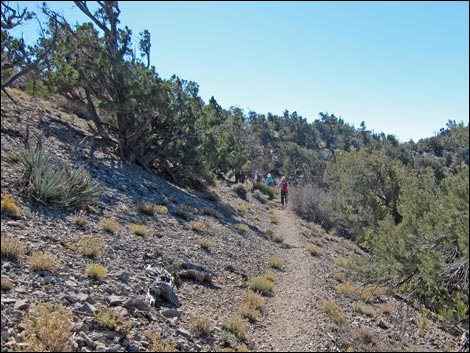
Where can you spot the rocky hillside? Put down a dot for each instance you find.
(217, 246)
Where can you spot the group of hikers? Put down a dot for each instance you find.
(283, 186)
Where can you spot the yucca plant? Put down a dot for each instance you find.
(53, 184)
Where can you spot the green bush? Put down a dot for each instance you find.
(240, 190)
(266, 190)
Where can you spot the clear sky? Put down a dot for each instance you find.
(401, 67)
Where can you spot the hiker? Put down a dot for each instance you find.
(270, 181)
(283, 189)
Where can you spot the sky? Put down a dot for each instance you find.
(401, 67)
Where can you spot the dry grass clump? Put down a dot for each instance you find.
(360, 307)
(241, 227)
(158, 344)
(197, 226)
(146, 208)
(274, 218)
(96, 271)
(48, 328)
(235, 325)
(184, 212)
(342, 262)
(248, 313)
(139, 229)
(112, 320)
(91, 246)
(314, 250)
(41, 261)
(241, 207)
(204, 243)
(261, 284)
(12, 249)
(364, 339)
(12, 157)
(211, 212)
(253, 300)
(79, 220)
(386, 308)
(109, 225)
(334, 311)
(161, 209)
(7, 284)
(275, 262)
(200, 326)
(9, 206)
(339, 276)
(348, 290)
(372, 293)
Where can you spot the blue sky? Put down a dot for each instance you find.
(401, 67)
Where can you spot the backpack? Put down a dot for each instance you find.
(284, 186)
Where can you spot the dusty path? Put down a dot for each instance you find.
(293, 321)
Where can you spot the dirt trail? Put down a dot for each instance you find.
(293, 321)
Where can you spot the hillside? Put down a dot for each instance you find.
(239, 236)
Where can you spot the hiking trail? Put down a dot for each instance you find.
(296, 296)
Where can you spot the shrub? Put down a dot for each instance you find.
(314, 204)
(240, 190)
(48, 328)
(41, 261)
(96, 271)
(12, 248)
(266, 190)
(9, 207)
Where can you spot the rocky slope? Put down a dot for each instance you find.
(226, 235)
